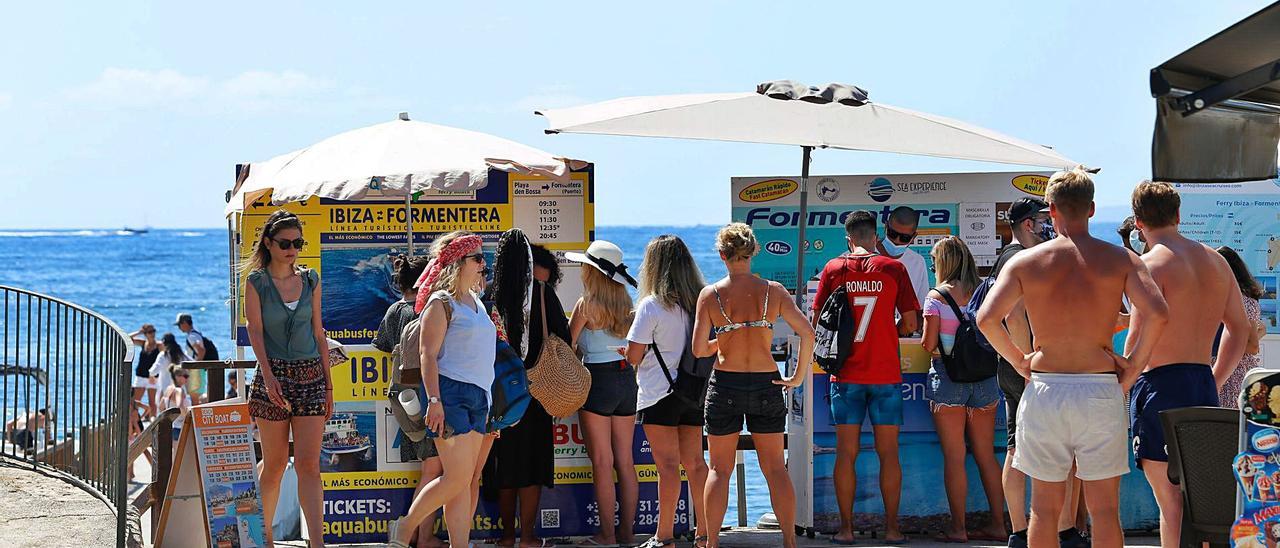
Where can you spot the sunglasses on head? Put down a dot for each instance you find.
(898, 237)
(286, 244)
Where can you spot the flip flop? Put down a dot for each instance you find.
(899, 542)
(943, 538)
(655, 542)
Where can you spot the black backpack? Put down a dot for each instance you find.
(969, 360)
(835, 332)
(210, 350)
(690, 369)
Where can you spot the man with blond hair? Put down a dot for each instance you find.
(1202, 293)
(1072, 411)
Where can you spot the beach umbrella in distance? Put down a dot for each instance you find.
(400, 158)
(790, 113)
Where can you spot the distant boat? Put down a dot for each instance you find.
(127, 231)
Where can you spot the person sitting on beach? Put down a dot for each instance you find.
(670, 402)
(869, 385)
(1202, 293)
(1073, 408)
(601, 319)
(457, 345)
(746, 385)
(405, 270)
(292, 393)
(960, 407)
(22, 431)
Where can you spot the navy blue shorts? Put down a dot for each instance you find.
(1166, 387)
(466, 408)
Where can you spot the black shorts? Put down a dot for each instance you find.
(1166, 387)
(613, 389)
(1012, 384)
(735, 397)
(682, 407)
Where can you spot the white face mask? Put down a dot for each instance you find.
(1135, 241)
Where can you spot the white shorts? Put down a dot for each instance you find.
(1065, 418)
(144, 382)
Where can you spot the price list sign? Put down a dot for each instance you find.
(550, 211)
(224, 444)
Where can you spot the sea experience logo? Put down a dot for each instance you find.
(1031, 184)
(828, 190)
(769, 190)
(880, 189)
(778, 247)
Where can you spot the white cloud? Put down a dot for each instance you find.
(250, 91)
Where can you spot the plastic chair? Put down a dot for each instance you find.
(1202, 442)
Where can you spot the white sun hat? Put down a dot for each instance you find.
(607, 258)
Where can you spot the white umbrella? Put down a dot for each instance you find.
(401, 157)
(835, 117)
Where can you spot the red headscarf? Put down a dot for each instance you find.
(452, 252)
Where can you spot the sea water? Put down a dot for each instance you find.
(152, 277)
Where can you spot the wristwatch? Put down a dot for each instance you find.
(432, 399)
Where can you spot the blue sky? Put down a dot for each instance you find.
(127, 113)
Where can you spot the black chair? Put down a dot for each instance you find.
(1202, 443)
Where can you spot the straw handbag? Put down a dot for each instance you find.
(559, 381)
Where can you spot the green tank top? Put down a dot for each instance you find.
(287, 333)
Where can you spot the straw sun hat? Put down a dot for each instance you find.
(607, 258)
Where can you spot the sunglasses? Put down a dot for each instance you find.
(898, 237)
(477, 257)
(286, 244)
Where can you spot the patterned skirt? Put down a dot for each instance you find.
(301, 381)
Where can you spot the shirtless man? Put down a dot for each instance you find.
(1202, 293)
(1073, 406)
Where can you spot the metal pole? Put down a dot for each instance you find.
(124, 415)
(742, 488)
(408, 214)
(802, 281)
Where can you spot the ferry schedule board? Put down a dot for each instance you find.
(224, 447)
(1246, 218)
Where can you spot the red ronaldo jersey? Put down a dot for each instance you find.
(877, 285)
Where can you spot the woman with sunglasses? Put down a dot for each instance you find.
(458, 345)
(292, 392)
(143, 384)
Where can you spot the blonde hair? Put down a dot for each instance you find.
(1071, 192)
(606, 302)
(669, 274)
(448, 279)
(1156, 204)
(736, 241)
(954, 263)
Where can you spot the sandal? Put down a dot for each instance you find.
(700, 541)
(655, 542)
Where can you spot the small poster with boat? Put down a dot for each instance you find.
(347, 443)
(224, 445)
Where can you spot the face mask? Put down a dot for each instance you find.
(1047, 232)
(892, 248)
(1135, 241)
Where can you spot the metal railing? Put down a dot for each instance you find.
(65, 395)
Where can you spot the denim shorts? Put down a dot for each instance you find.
(733, 398)
(942, 391)
(613, 389)
(466, 408)
(853, 403)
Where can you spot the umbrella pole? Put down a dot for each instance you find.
(801, 279)
(408, 216)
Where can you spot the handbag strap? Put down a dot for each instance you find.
(954, 308)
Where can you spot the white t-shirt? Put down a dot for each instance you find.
(667, 327)
(918, 272)
(160, 371)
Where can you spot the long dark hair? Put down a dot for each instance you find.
(1248, 284)
(261, 256)
(512, 273)
(172, 349)
(544, 258)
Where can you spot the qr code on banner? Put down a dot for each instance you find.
(551, 518)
